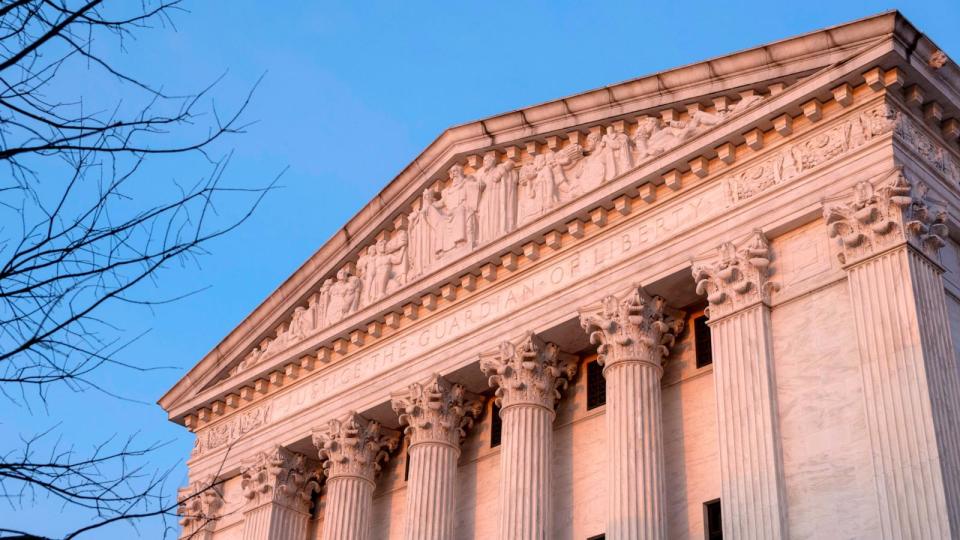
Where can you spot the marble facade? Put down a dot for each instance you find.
(801, 196)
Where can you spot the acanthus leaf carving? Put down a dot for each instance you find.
(738, 277)
(436, 411)
(530, 372)
(899, 211)
(354, 447)
(635, 328)
(199, 504)
(279, 476)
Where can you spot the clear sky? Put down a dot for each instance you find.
(353, 91)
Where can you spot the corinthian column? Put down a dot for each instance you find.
(890, 239)
(351, 452)
(278, 488)
(751, 465)
(436, 414)
(198, 506)
(634, 334)
(528, 377)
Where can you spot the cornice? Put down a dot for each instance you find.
(444, 284)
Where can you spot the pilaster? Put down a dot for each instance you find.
(634, 335)
(889, 239)
(736, 283)
(277, 486)
(529, 376)
(437, 414)
(351, 451)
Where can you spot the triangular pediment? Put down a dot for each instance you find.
(490, 190)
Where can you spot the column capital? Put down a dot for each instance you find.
(530, 371)
(737, 276)
(199, 504)
(436, 411)
(875, 219)
(636, 327)
(354, 447)
(278, 476)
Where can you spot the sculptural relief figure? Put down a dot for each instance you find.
(457, 211)
(677, 132)
(543, 182)
(422, 235)
(617, 153)
(391, 264)
(344, 295)
(646, 128)
(593, 172)
(320, 302)
(498, 200)
(300, 325)
(367, 268)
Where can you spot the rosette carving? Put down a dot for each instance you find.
(878, 218)
(199, 504)
(531, 372)
(436, 411)
(279, 476)
(636, 327)
(354, 447)
(739, 277)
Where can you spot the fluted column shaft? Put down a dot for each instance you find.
(351, 451)
(349, 508)
(889, 238)
(431, 491)
(525, 458)
(436, 414)
(637, 495)
(529, 376)
(751, 467)
(736, 282)
(278, 486)
(911, 391)
(274, 522)
(634, 334)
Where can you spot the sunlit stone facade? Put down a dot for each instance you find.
(800, 196)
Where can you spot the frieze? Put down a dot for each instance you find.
(798, 158)
(917, 139)
(480, 204)
(231, 430)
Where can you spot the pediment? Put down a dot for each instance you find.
(488, 192)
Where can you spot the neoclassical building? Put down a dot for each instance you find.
(718, 301)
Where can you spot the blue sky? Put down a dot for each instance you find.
(352, 92)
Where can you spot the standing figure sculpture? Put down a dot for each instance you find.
(344, 295)
(498, 200)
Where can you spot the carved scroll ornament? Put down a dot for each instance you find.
(355, 446)
(738, 277)
(877, 218)
(530, 371)
(279, 476)
(199, 504)
(637, 327)
(436, 411)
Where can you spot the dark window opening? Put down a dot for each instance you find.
(598, 537)
(596, 386)
(495, 426)
(406, 466)
(712, 521)
(701, 340)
